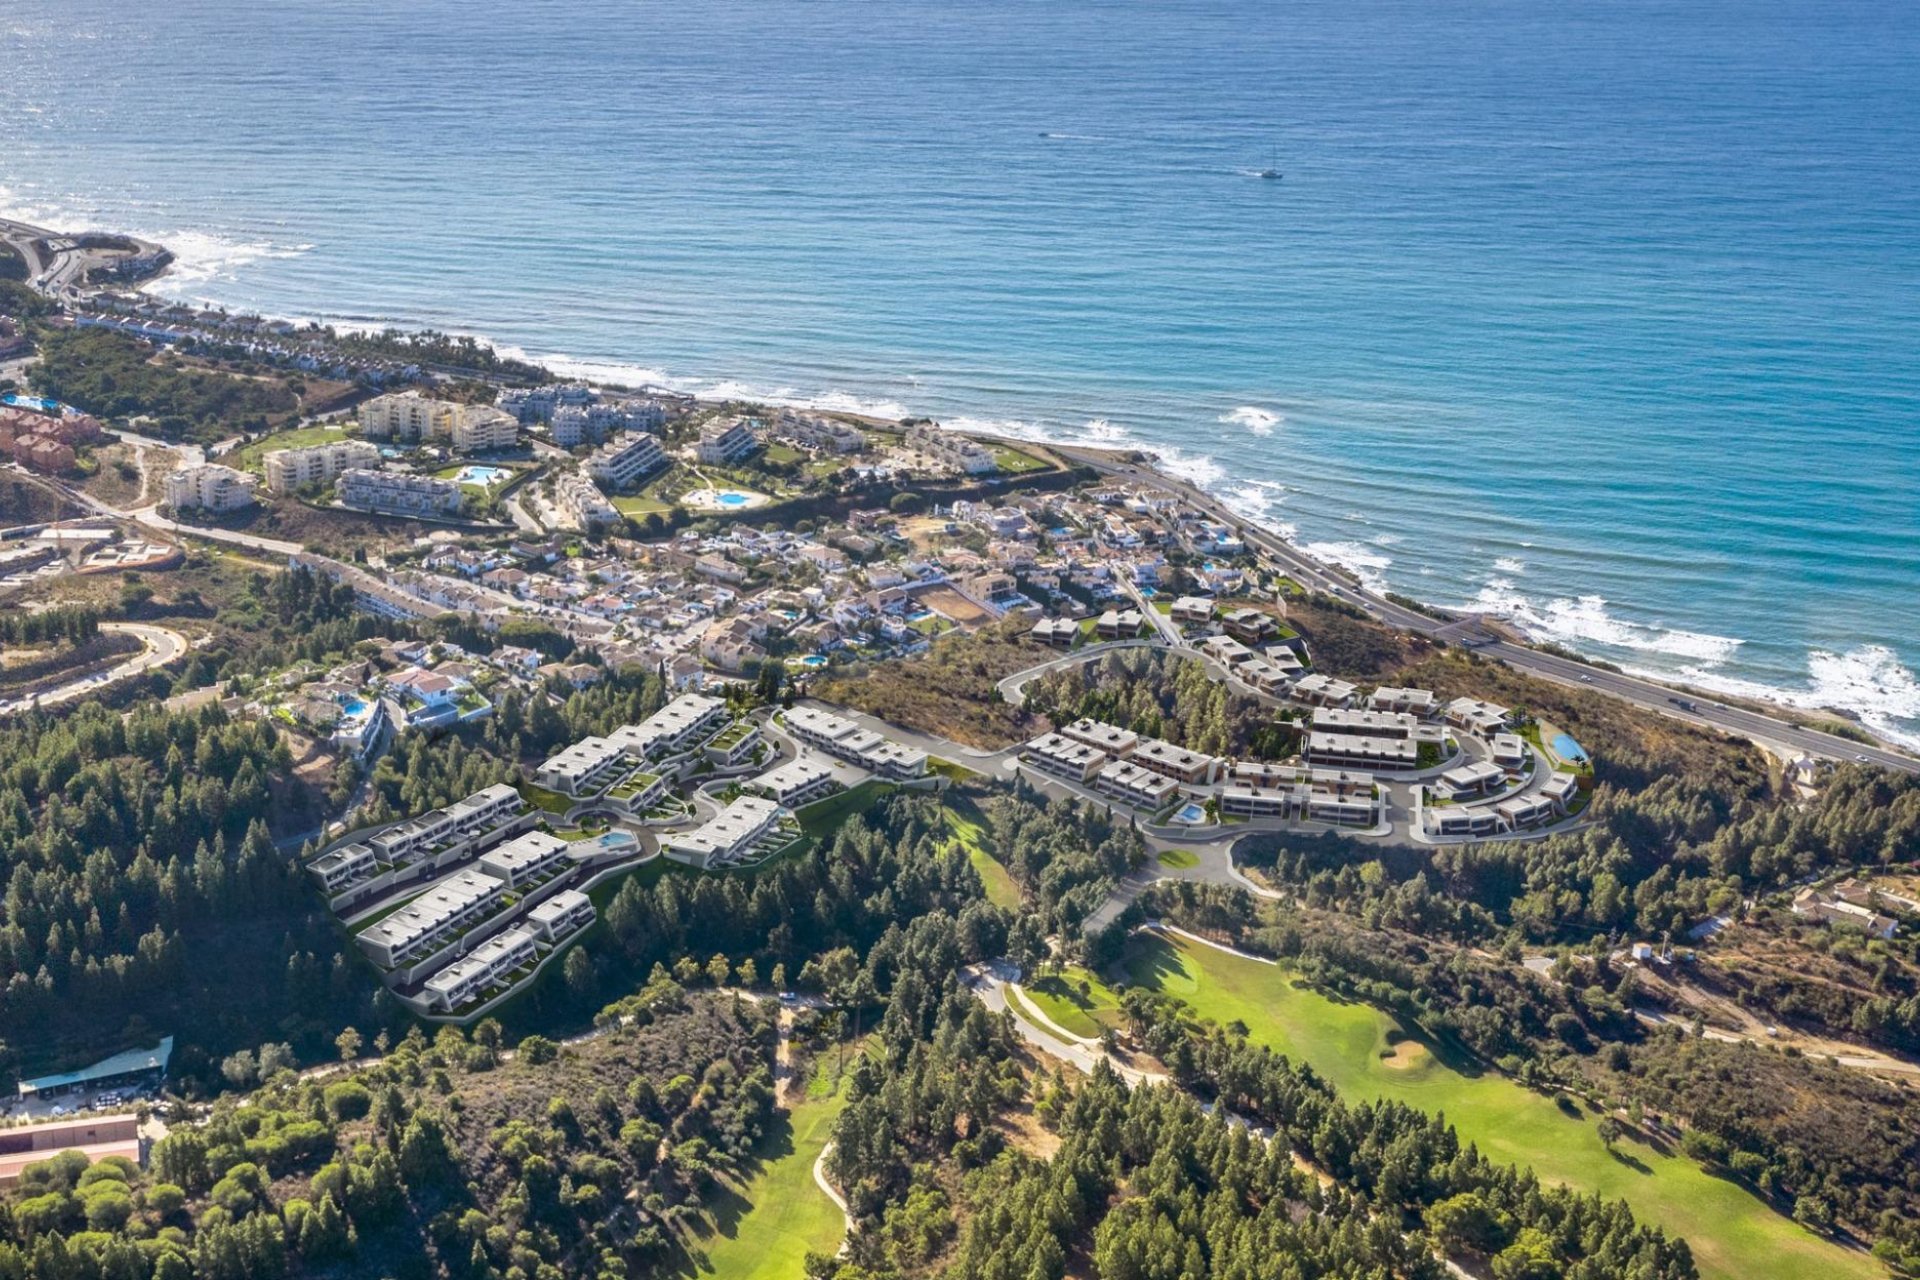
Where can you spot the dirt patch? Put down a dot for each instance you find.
(1023, 1130)
(949, 603)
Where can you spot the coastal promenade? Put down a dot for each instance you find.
(1648, 694)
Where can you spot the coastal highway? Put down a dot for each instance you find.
(1649, 694)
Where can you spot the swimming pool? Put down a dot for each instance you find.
(1191, 814)
(485, 477)
(354, 707)
(31, 402)
(813, 660)
(728, 498)
(1569, 750)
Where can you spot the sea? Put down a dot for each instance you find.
(1602, 317)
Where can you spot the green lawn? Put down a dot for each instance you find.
(1363, 1054)
(549, 801)
(766, 1226)
(640, 506)
(1178, 858)
(1058, 996)
(247, 456)
(1015, 461)
(969, 827)
(823, 817)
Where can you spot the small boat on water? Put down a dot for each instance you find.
(1272, 172)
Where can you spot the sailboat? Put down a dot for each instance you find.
(1272, 171)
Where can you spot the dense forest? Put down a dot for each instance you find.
(140, 861)
(67, 625)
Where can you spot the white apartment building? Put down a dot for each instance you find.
(479, 428)
(582, 505)
(209, 487)
(673, 728)
(1112, 739)
(1064, 757)
(560, 915)
(321, 464)
(793, 784)
(954, 450)
(405, 415)
(839, 736)
(436, 915)
(724, 443)
(470, 977)
(1128, 782)
(392, 493)
(525, 857)
(729, 834)
(619, 464)
(584, 768)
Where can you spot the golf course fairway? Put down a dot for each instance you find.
(1363, 1054)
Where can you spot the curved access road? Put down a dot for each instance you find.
(159, 646)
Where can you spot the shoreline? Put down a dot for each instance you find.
(1486, 633)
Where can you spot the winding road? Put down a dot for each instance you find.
(159, 646)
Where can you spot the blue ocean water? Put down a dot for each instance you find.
(1602, 316)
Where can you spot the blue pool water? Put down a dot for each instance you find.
(484, 476)
(31, 402)
(1567, 749)
(1191, 813)
(354, 706)
(1604, 318)
(813, 660)
(732, 499)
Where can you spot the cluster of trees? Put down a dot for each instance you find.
(112, 375)
(68, 625)
(442, 1159)
(1152, 694)
(139, 861)
(952, 689)
(431, 347)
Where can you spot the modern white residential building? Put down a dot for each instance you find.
(1347, 750)
(1483, 718)
(1561, 788)
(1115, 741)
(434, 917)
(1476, 778)
(622, 463)
(479, 428)
(338, 868)
(1369, 724)
(724, 443)
(1323, 690)
(793, 784)
(320, 464)
(825, 434)
(1192, 611)
(1064, 757)
(1128, 782)
(729, 834)
(581, 504)
(527, 856)
(1525, 811)
(473, 975)
(673, 728)
(839, 736)
(564, 913)
(1419, 702)
(584, 768)
(393, 493)
(1509, 750)
(209, 487)
(1459, 820)
(1194, 768)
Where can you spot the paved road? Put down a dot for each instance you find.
(989, 983)
(1644, 693)
(159, 647)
